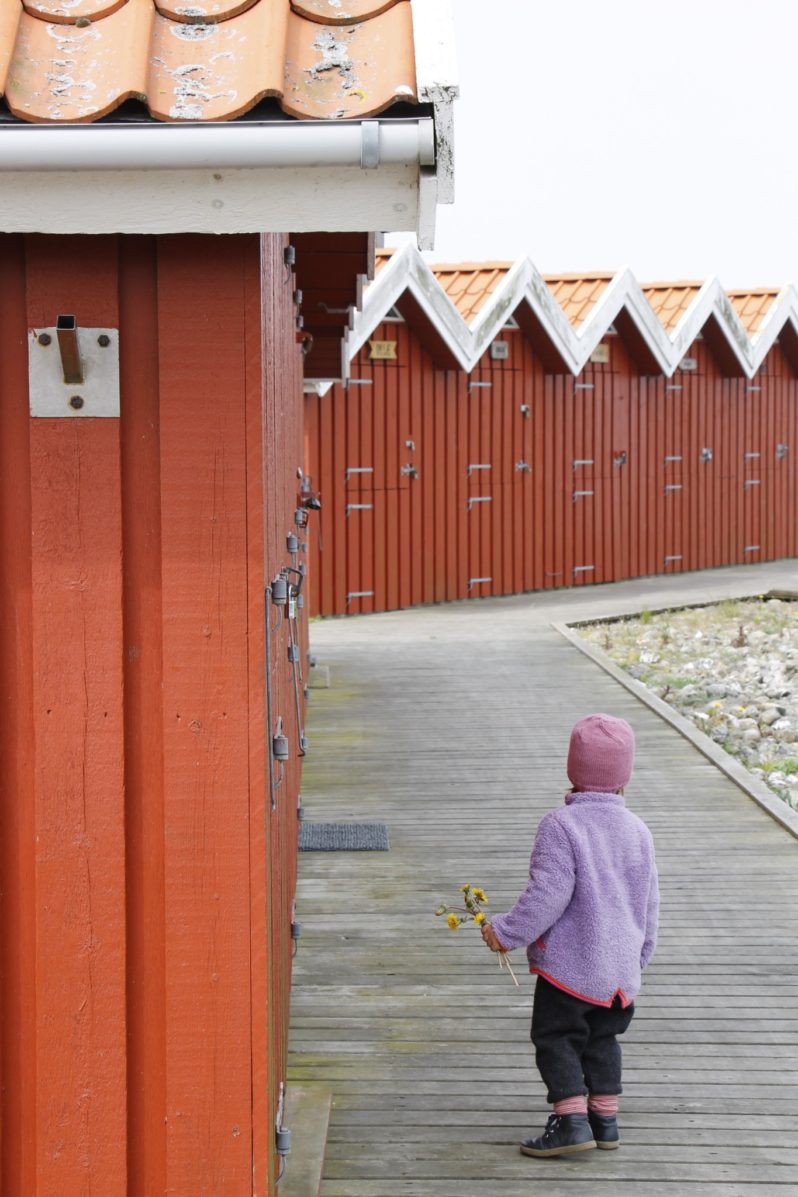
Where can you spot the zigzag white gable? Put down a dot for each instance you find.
(407, 271)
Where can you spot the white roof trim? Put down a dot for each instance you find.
(407, 271)
(437, 82)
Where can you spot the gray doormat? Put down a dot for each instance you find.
(343, 837)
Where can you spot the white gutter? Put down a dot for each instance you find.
(367, 144)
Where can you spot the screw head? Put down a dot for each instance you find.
(103, 341)
(44, 338)
(77, 402)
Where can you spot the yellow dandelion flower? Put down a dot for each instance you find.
(479, 894)
(479, 919)
(715, 705)
(453, 921)
(464, 889)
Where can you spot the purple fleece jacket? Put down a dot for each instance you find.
(588, 917)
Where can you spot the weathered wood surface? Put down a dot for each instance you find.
(451, 725)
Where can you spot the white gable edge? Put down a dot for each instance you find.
(407, 270)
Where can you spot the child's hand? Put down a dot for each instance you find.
(489, 936)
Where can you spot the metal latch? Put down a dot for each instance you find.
(409, 471)
(523, 467)
(353, 594)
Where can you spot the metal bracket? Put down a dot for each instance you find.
(369, 144)
(583, 569)
(752, 482)
(581, 461)
(358, 470)
(358, 507)
(673, 457)
(751, 456)
(673, 486)
(60, 355)
(582, 494)
(751, 548)
(471, 468)
(673, 557)
(477, 582)
(479, 499)
(409, 471)
(473, 386)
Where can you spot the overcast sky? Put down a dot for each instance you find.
(593, 134)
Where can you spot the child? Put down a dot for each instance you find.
(588, 918)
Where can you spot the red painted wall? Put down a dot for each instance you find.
(473, 510)
(147, 883)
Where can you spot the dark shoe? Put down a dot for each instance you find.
(605, 1131)
(564, 1134)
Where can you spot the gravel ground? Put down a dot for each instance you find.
(731, 668)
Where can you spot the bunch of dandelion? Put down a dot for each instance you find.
(474, 898)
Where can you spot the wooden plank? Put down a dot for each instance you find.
(206, 741)
(76, 583)
(17, 774)
(143, 619)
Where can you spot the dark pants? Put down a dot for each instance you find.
(575, 1046)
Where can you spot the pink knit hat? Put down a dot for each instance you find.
(601, 753)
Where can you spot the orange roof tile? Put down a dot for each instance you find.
(753, 305)
(210, 60)
(577, 294)
(470, 284)
(670, 300)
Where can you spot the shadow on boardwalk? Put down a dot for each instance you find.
(451, 724)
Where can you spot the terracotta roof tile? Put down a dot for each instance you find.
(76, 60)
(752, 306)
(670, 300)
(577, 294)
(470, 284)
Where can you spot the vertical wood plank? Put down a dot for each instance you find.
(18, 1046)
(205, 704)
(143, 672)
(78, 729)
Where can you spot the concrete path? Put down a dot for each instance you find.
(451, 724)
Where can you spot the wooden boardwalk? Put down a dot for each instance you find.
(451, 724)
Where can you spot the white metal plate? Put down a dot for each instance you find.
(51, 396)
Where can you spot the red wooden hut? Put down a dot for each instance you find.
(156, 321)
(503, 432)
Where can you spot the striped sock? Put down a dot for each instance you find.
(571, 1105)
(605, 1104)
